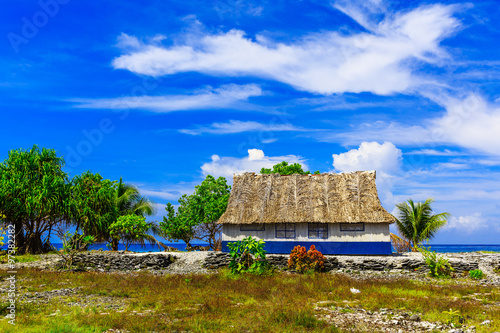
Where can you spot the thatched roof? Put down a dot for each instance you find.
(329, 197)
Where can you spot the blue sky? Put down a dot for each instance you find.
(165, 92)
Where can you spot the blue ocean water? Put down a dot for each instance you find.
(441, 248)
(447, 248)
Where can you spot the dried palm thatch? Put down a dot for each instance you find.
(328, 198)
(400, 244)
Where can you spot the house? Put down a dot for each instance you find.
(338, 213)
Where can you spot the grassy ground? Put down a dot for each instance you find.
(21, 258)
(222, 303)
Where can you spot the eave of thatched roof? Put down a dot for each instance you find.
(328, 198)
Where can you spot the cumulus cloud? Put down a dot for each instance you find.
(226, 96)
(256, 160)
(384, 158)
(467, 223)
(381, 60)
(237, 126)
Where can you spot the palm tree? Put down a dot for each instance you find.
(416, 222)
(130, 202)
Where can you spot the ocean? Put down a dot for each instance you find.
(441, 248)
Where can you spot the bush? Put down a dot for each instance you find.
(476, 274)
(438, 266)
(303, 261)
(248, 256)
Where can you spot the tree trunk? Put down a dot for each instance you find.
(114, 244)
(19, 232)
(33, 244)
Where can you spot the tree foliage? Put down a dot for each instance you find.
(283, 168)
(129, 228)
(93, 207)
(34, 195)
(416, 221)
(179, 226)
(129, 202)
(197, 215)
(209, 202)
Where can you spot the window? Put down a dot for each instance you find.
(253, 227)
(352, 227)
(285, 230)
(318, 230)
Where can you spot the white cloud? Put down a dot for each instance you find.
(226, 96)
(378, 61)
(467, 223)
(161, 194)
(471, 123)
(434, 152)
(256, 160)
(400, 134)
(362, 12)
(384, 158)
(237, 126)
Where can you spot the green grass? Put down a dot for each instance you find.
(225, 303)
(21, 258)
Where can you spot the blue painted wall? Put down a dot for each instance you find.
(352, 248)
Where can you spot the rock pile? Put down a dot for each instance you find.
(122, 262)
(216, 260)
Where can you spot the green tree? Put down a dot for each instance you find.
(129, 229)
(178, 226)
(130, 202)
(416, 221)
(283, 168)
(209, 203)
(34, 195)
(197, 215)
(93, 206)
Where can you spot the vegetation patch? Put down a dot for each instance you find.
(281, 302)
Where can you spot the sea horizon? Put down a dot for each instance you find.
(440, 248)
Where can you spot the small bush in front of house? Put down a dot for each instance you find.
(304, 261)
(248, 256)
(438, 266)
(476, 274)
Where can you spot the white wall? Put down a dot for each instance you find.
(374, 232)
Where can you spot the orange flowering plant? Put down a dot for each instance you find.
(303, 261)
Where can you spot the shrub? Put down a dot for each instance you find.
(72, 245)
(438, 266)
(248, 256)
(304, 261)
(476, 274)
